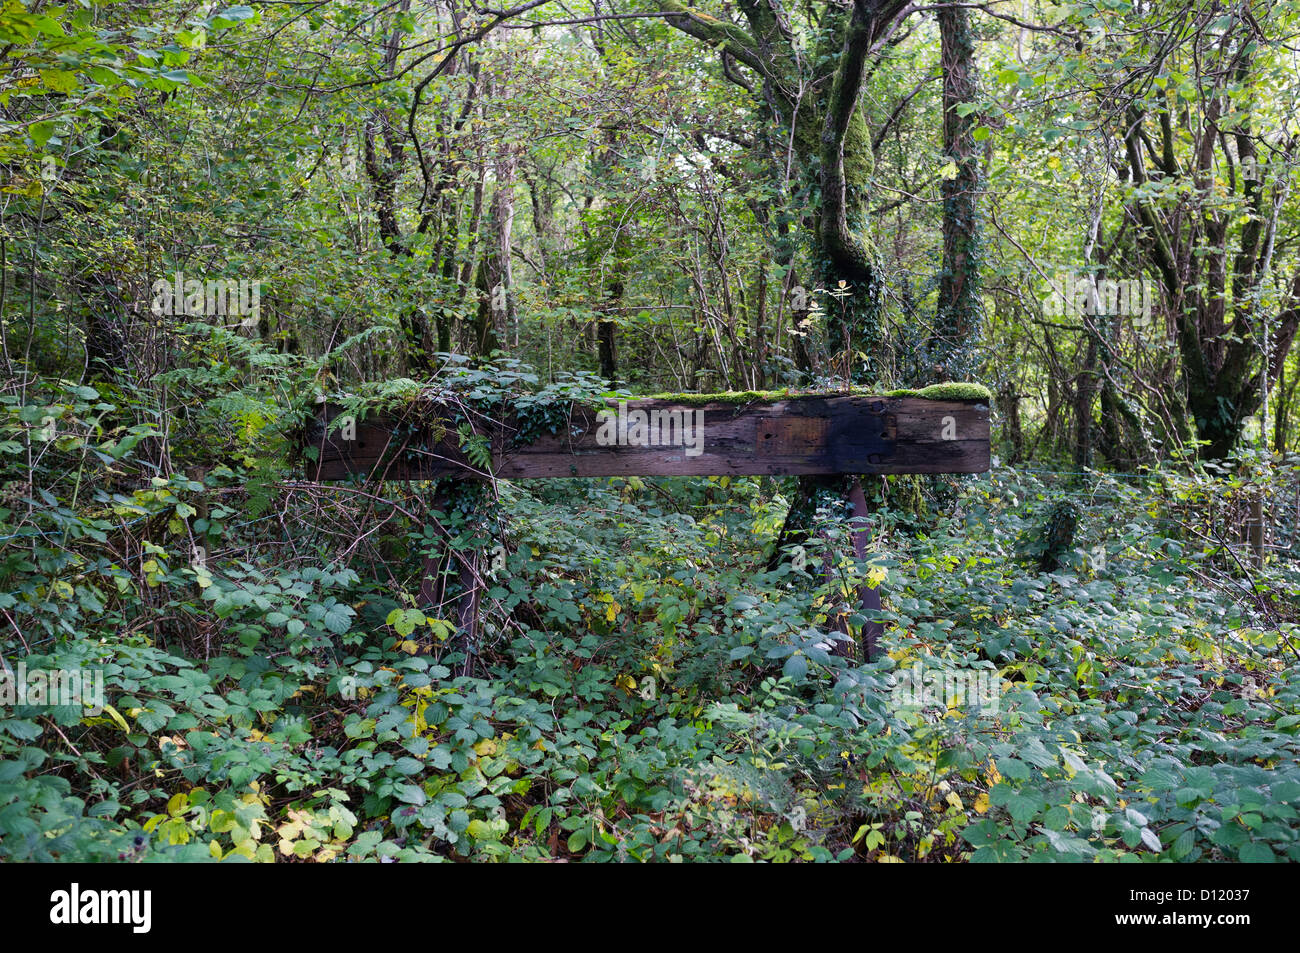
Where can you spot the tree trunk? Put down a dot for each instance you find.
(959, 315)
(1085, 394)
(500, 277)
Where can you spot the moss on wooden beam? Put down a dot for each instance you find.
(946, 391)
(949, 390)
(725, 397)
(396, 396)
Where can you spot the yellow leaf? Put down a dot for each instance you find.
(30, 188)
(117, 718)
(982, 804)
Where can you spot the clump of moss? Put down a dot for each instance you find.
(949, 390)
(724, 397)
(945, 391)
(755, 396)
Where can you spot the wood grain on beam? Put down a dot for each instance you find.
(814, 434)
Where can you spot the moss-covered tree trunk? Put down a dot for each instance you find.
(814, 94)
(959, 314)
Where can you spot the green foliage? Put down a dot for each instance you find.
(639, 692)
(286, 674)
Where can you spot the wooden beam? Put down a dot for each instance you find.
(811, 434)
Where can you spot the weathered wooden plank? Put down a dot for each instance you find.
(812, 434)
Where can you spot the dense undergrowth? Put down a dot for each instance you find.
(643, 688)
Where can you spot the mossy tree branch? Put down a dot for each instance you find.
(844, 250)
